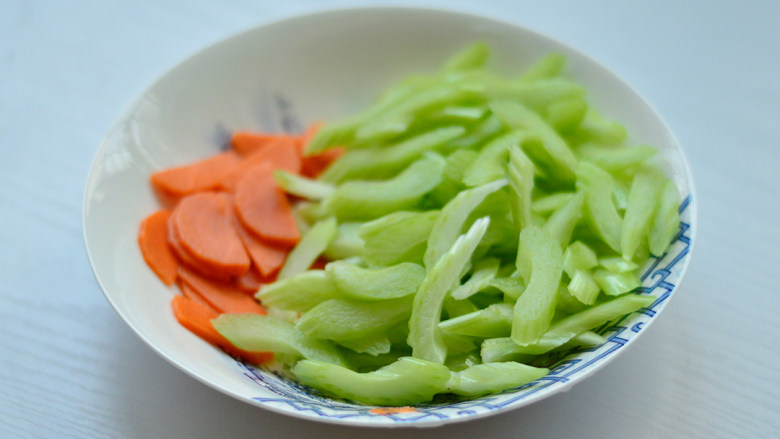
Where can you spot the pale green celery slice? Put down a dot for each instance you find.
(598, 129)
(578, 260)
(561, 223)
(425, 338)
(583, 287)
(614, 284)
(404, 382)
(620, 195)
(578, 256)
(451, 183)
(549, 203)
(666, 220)
(516, 116)
(616, 160)
(642, 200)
(548, 66)
(483, 272)
(510, 286)
(456, 363)
(483, 379)
(259, 333)
(540, 263)
(490, 164)
(386, 161)
(504, 349)
(457, 344)
(372, 284)
(300, 292)
(600, 210)
(346, 244)
(365, 200)
(493, 321)
(333, 134)
(617, 264)
(460, 113)
(521, 183)
(567, 328)
(566, 114)
(473, 56)
(310, 247)
(456, 308)
(480, 134)
(365, 362)
(453, 218)
(567, 303)
(301, 186)
(343, 319)
(537, 95)
(373, 344)
(397, 237)
(310, 213)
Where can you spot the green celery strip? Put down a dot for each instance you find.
(397, 237)
(474, 56)
(521, 183)
(642, 199)
(614, 284)
(548, 66)
(617, 264)
(493, 321)
(300, 292)
(373, 344)
(666, 221)
(501, 349)
(483, 379)
(452, 219)
(372, 284)
(347, 243)
(490, 164)
(600, 130)
(540, 263)
(404, 382)
(549, 203)
(561, 223)
(510, 286)
(259, 333)
(302, 186)
(479, 135)
(424, 335)
(310, 247)
(600, 210)
(365, 200)
(343, 319)
(616, 160)
(483, 272)
(566, 114)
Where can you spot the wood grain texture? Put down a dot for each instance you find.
(69, 367)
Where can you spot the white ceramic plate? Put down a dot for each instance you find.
(283, 76)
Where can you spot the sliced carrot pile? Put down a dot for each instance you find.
(200, 176)
(227, 229)
(153, 241)
(197, 318)
(205, 229)
(222, 296)
(264, 208)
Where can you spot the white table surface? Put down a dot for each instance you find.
(69, 367)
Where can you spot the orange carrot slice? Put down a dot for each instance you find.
(199, 176)
(246, 143)
(153, 241)
(197, 319)
(192, 295)
(313, 165)
(250, 282)
(222, 296)
(264, 208)
(204, 225)
(266, 257)
(278, 155)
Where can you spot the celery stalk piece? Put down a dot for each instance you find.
(561, 223)
(424, 335)
(666, 220)
(404, 382)
(347, 243)
(457, 162)
(456, 308)
(614, 284)
(344, 319)
(540, 263)
(646, 186)
(600, 130)
(386, 161)
(518, 117)
(548, 66)
(376, 284)
(510, 286)
(600, 210)
(365, 200)
(566, 114)
(483, 272)
(310, 247)
(374, 344)
(457, 344)
(456, 363)
(521, 183)
(300, 292)
(397, 237)
(537, 95)
(259, 333)
(490, 164)
(569, 327)
(549, 203)
(480, 134)
(617, 264)
(302, 186)
(483, 379)
(616, 160)
(474, 56)
(452, 219)
(504, 349)
(566, 302)
(578, 256)
(460, 113)
(493, 321)
(584, 287)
